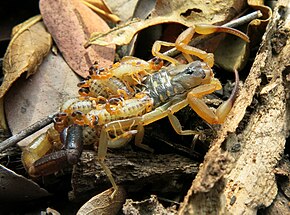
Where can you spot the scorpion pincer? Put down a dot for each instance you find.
(118, 119)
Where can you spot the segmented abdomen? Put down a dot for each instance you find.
(127, 109)
(77, 104)
(159, 87)
(104, 87)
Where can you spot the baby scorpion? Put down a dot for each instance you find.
(163, 93)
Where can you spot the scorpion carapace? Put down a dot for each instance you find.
(116, 103)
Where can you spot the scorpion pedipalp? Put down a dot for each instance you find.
(56, 161)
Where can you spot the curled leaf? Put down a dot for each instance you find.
(185, 12)
(30, 43)
(233, 53)
(70, 23)
(103, 204)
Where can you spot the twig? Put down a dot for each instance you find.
(172, 52)
(26, 132)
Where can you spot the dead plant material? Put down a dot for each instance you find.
(249, 181)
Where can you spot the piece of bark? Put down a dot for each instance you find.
(134, 170)
(279, 206)
(250, 182)
(147, 206)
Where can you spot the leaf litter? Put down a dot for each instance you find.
(70, 23)
(70, 45)
(30, 43)
(40, 95)
(182, 12)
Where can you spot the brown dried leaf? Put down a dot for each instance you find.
(257, 27)
(183, 12)
(103, 204)
(70, 22)
(29, 45)
(40, 95)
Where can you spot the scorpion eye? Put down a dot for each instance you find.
(195, 70)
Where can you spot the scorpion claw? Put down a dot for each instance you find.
(53, 162)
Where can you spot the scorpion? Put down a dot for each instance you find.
(110, 112)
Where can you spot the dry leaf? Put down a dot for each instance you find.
(100, 4)
(52, 211)
(3, 124)
(29, 45)
(70, 22)
(123, 8)
(144, 8)
(257, 27)
(183, 12)
(104, 12)
(16, 188)
(103, 204)
(40, 95)
(232, 52)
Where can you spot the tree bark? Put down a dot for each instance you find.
(240, 182)
(134, 170)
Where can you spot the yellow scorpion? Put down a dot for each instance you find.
(116, 103)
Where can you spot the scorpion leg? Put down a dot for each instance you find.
(168, 110)
(174, 120)
(106, 140)
(156, 51)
